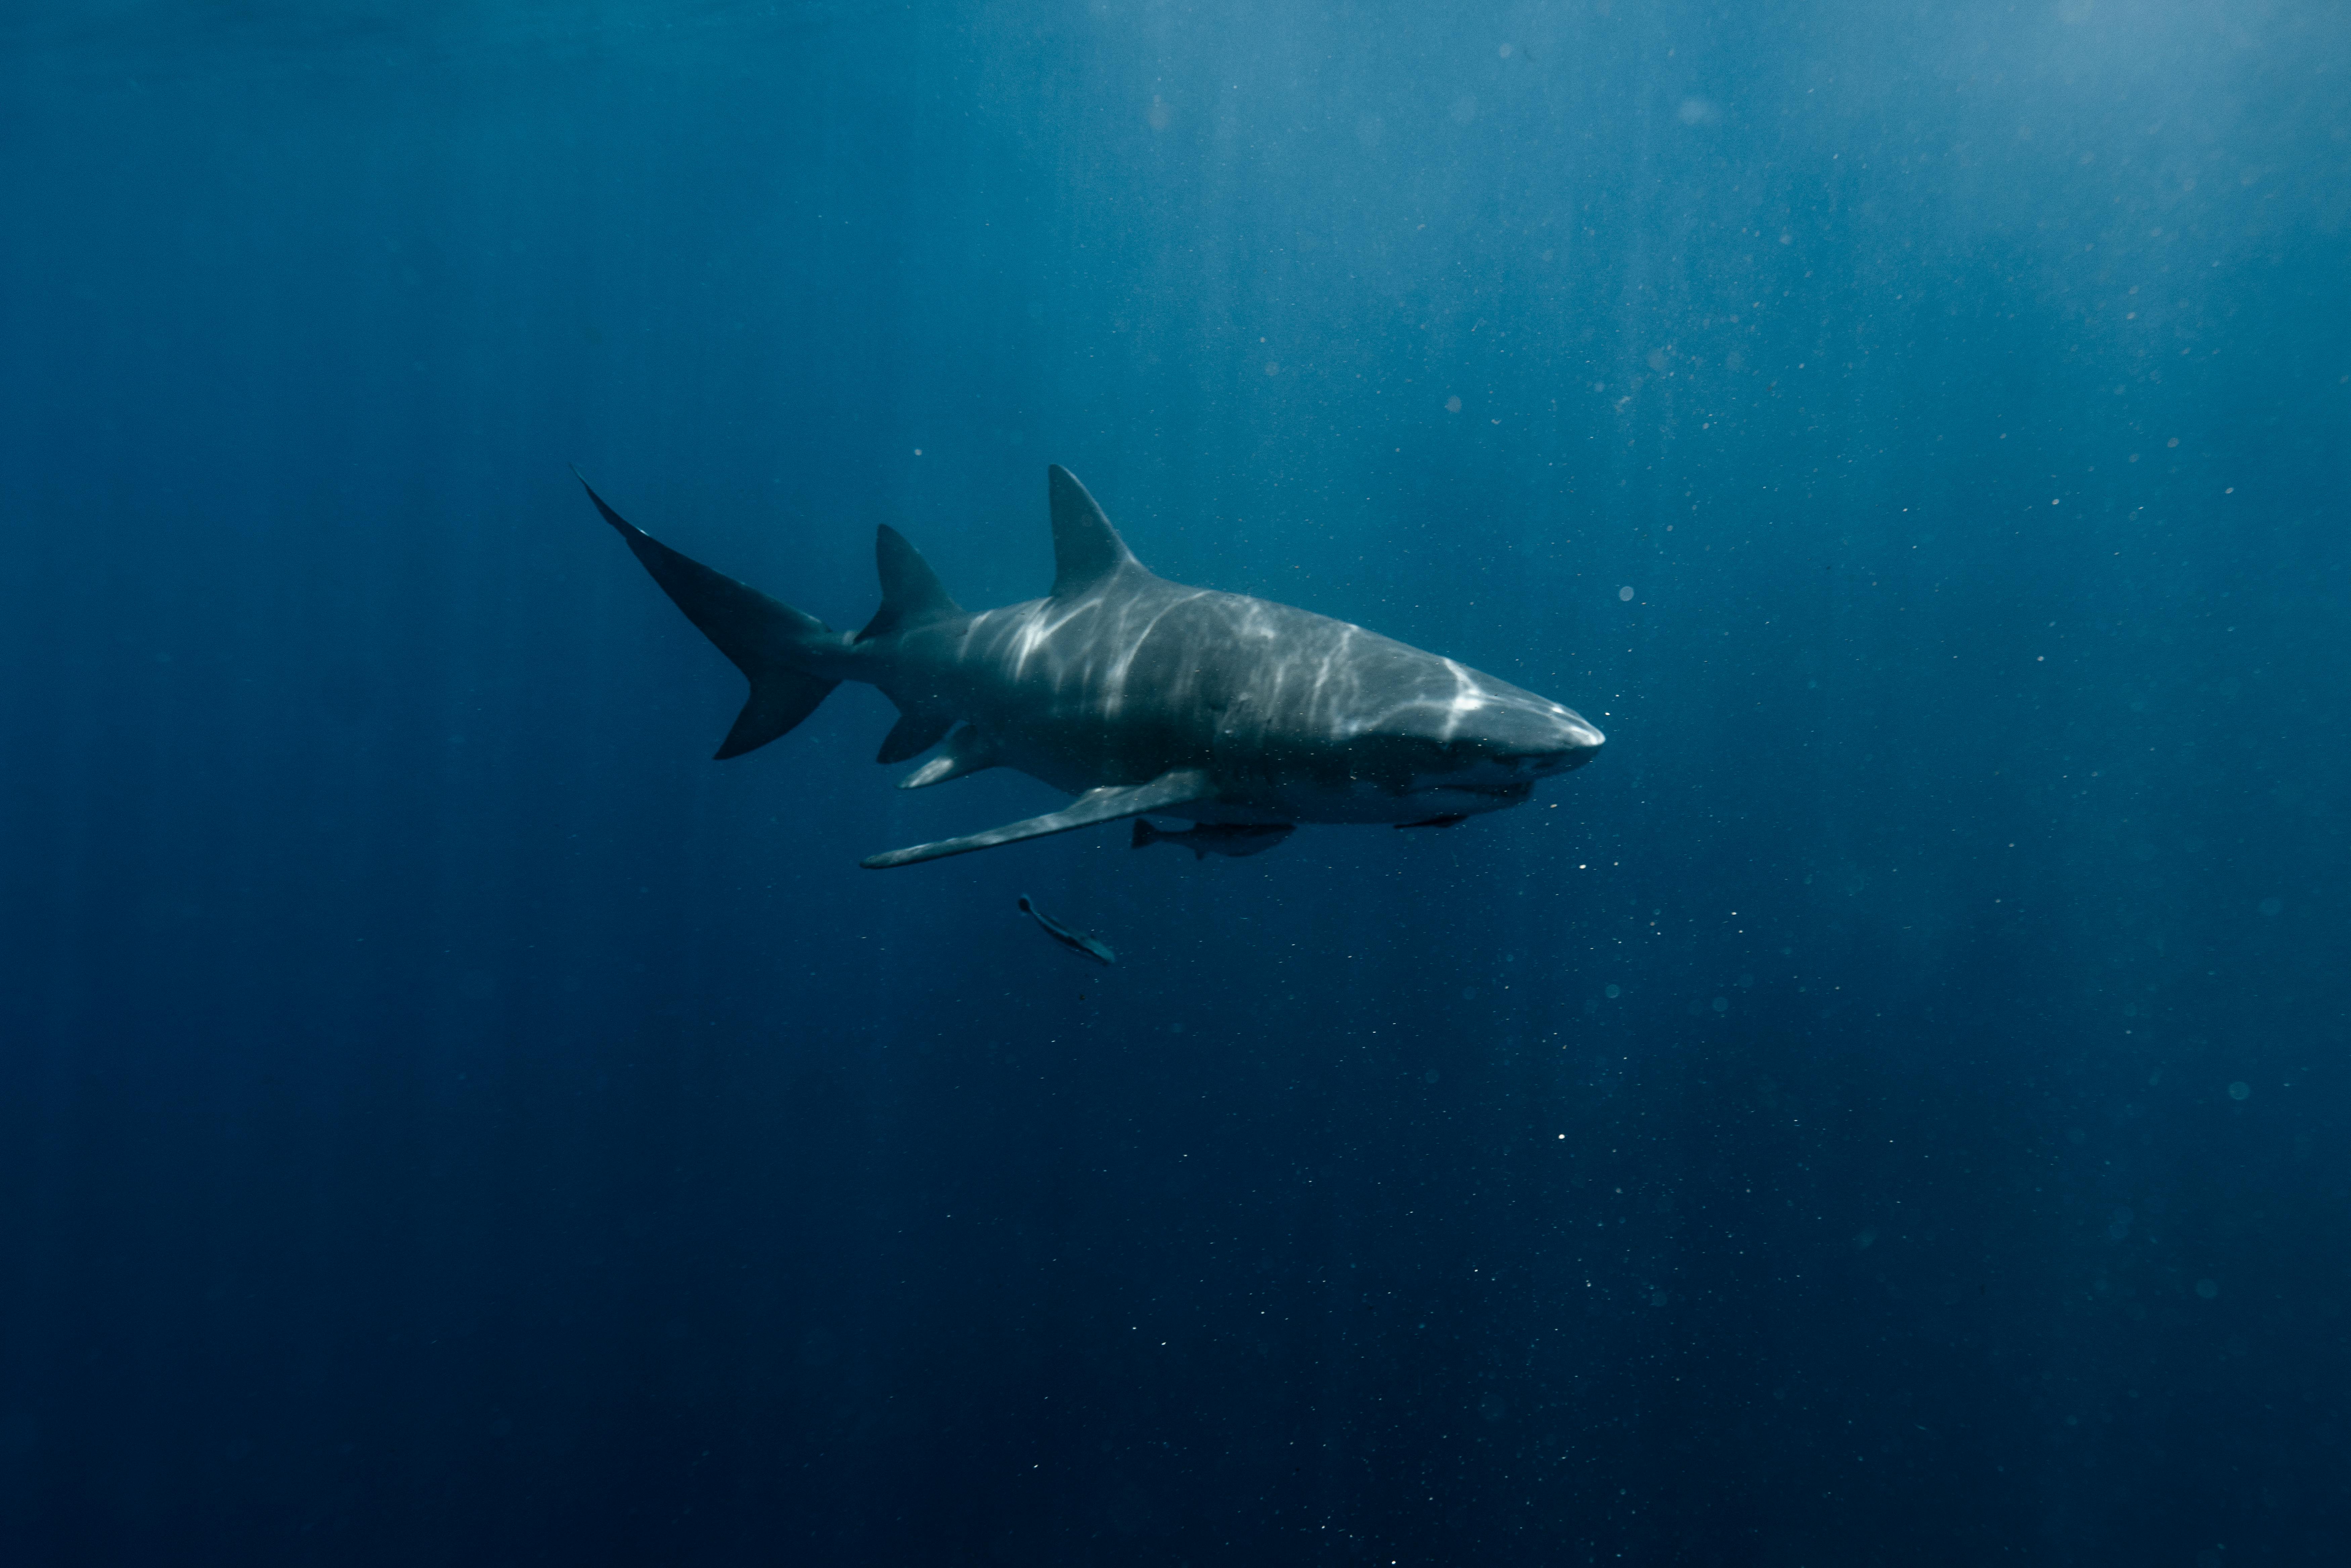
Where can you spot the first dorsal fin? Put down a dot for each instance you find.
(911, 594)
(1086, 549)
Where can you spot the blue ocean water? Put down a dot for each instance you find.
(1890, 1107)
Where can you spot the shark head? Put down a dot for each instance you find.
(1525, 736)
(1478, 743)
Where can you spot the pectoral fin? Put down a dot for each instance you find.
(1096, 805)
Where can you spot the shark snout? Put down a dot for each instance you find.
(1583, 741)
(1552, 742)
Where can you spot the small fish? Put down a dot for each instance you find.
(1076, 941)
(1233, 838)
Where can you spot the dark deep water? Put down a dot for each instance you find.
(1890, 1108)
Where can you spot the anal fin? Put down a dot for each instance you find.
(1096, 805)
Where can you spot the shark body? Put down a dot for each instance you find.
(1136, 694)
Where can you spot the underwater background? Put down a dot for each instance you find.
(1891, 1108)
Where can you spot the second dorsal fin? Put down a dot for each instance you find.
(911, 594)
(1086, 549)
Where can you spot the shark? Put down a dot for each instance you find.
(1134, 694)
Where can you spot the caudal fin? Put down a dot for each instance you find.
(1145, 835)
(771, 643)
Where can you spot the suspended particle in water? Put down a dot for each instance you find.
(1625, 594)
